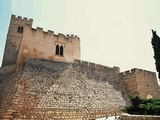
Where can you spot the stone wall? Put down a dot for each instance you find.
(13, 39)
(7, 70)
(141, 83)
(139, 117)
(44, 89)
(39, 44)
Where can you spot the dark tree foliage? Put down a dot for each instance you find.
(156, 48)
(143, 106)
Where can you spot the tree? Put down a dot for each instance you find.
(143, 106)
(156, 48)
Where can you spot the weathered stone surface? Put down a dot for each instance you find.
(48, 90)
(141, 83)
(36, 43)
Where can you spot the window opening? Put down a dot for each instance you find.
(61, 50)
(20, 29)
(57, 49)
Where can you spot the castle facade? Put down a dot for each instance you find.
(25, 42)
(42, 77)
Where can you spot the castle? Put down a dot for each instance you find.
(42, 77)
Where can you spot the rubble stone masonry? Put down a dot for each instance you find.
(141, 83)
(44, 89)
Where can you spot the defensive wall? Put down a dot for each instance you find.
(87, 63)
(45, 89)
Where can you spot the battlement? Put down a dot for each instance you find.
(51, 33)
(39, 29)
(21, 18)
(137, 71)
(98, 66)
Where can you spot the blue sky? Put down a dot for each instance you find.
(113, 33)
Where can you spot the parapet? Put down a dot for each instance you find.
(137, 71)
(97, 66)
(22, 19)
(39, 29)
(59, 35)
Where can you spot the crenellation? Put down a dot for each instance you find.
(19, 17)
(13, 16)
(40, 29)
(137, 71)
(85, 63)
(30, 19)
(127, 72)
(67, 35)
(25, 18)
(33, 29)
(45, 33)
(77, 61)
(55, 35)
(141, 71)
(61, 35)
(50, 32)
(117, 69)
(98, 66)
(92, 64)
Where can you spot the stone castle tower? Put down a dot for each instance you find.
(24, 42)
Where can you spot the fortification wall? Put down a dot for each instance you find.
(52, 90)
(141, 82)
(97, 66)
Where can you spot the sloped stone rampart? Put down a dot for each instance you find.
(43, 89)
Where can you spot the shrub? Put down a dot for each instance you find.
(143, 106)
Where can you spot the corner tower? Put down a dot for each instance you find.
(13, 40)
(141, 83)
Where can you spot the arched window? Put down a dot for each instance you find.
(57, 49)
(61, 50)
(20, 29)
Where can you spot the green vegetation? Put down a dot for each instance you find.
(156, 48)
(143, 106)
